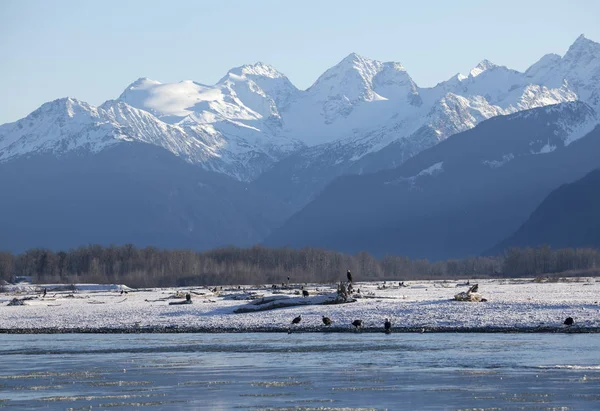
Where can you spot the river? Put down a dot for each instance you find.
(326, 371)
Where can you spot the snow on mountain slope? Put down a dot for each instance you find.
(353, 98)
(67, 124)
(254, 116)
(241, 113)
(580, 67)
(58, 126)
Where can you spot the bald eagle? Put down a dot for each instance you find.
(387, 325)
(327, 321)
(297, 319)
(357, 323)
(304, 293)
(569, 321)
(349, 275)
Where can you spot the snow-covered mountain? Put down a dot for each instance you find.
(171, 150)
(359, 116)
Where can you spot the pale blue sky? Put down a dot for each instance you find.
(92, 50)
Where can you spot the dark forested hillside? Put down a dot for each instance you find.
(568, 217)
(131, 193)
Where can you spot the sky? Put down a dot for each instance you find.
(92, 50)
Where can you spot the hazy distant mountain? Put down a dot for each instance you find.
(568, 217)
(458, 198)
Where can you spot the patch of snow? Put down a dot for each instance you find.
(499, 163)
(429, 171)
(547, 148)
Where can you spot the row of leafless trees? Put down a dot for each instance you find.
(146, 267)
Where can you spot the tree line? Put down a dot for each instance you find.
(152, 267)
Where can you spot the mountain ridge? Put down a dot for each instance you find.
(254, 117)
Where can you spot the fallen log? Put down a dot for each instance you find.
(280, 301)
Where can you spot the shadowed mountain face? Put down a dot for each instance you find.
(458, 198)
(568, 217)
(131, 193)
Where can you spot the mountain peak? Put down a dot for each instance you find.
(582, 39)
(481, 67)
(68, 106)
(582, 46)
(354, 58)
(142, 83)
(257, 69)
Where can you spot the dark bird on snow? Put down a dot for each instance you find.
(349, 275)
(387, 324)
(327, 321)
(188, 297)
(474, 288)
(45, 291)
(357, 323)
(569, 321)
(304, 293)
(297, 319)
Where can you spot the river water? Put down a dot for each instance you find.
(301, 371)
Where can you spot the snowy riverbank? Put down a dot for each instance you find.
(513, 305)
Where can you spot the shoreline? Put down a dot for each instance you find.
(304, 330)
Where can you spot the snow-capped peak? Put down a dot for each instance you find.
(256, 69)
(481, 67)
(141, 83)
(583, 51)
(353, 79)
(583, 43)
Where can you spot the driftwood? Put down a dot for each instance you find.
(180, 302)
(282, 301)
(470, 295)
(19, 301)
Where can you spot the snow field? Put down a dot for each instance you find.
(512, 305)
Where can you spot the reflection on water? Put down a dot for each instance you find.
(301, 371)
